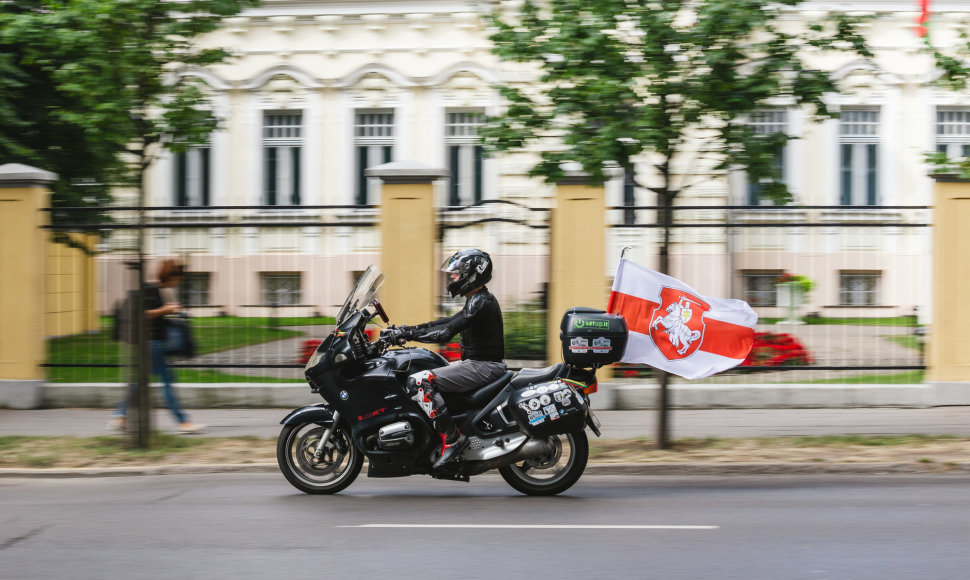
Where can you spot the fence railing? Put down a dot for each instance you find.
(864, 317)
(862, 320)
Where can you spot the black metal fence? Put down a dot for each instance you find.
(263, 282)
(862, 276)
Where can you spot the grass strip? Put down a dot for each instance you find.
(111, 450)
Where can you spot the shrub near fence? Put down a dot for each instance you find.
(773, 349)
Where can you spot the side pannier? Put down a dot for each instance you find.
(552, 408)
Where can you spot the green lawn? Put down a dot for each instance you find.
(211, 335)
(907, 340)
(903, 378)
(888, 321)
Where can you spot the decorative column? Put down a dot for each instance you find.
(947, 355)
(577, 254)
(24, 195)
(409, 227)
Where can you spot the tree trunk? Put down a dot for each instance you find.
(663, 395)
(140, 429)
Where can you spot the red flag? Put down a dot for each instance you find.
(674, 328)
(923, 18)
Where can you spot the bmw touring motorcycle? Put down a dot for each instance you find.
(529, 425)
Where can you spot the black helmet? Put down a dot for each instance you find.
(474, 268)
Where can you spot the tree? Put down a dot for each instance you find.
(34, 128)
(622, 82)
(953, 64)
(89, 94)
(109, 65)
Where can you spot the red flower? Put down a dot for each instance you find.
(779, 349)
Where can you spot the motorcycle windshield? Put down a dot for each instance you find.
(364, 291)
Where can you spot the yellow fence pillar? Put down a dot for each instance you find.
(408, 240)
(947, 354)
(24, 195)
(71, 287)
(577, 254)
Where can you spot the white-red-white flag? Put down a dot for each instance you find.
(674, 328)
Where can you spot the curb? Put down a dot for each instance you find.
(591, 469)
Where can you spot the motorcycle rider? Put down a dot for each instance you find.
(482, 346)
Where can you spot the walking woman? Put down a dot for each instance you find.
(160, 302)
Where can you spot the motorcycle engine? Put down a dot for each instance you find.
(398, 435)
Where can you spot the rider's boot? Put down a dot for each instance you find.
(453, 442)
(422, 388)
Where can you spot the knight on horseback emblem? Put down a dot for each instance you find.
(680, 331)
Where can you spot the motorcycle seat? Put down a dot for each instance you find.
(479, 397)
(532, 376)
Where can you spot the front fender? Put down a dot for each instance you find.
(321, 414)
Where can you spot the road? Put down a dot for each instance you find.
(256, 526)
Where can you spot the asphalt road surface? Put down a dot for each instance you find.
(257, 526)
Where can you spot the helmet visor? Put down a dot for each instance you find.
(452, 264)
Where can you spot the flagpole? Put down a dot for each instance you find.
(610, 302)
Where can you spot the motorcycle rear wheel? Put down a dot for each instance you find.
(553, 473)
(337, 467)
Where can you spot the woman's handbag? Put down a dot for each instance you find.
(178, 337)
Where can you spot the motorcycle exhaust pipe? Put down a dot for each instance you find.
(531, 449)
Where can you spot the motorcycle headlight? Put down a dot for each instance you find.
(314, 359)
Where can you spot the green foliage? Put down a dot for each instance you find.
(525, 332)
(803, 283)
(89, 88)
(619, 80)
(953, 63)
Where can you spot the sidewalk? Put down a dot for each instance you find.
(722, 423)
(264, 423)
(617, 394)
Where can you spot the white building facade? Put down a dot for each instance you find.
(319, 91)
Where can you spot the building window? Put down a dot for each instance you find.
(192, 177)
(768, 122)
(465, 155)
(760, 287)
(282, 144)
(859, 151)
(953, 133)
(374, 145)
(194, 290)
(859, 288)
(281, 288)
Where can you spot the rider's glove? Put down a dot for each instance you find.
(408, 332)
(394, 335)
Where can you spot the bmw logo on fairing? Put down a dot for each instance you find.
(343, 395)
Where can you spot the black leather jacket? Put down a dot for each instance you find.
(480, 325)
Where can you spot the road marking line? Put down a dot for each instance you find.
(538, 526)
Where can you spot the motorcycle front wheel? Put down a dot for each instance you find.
(335, 468)
(554, 472)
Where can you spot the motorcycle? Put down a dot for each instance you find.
(530, 425)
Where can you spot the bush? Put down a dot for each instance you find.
(525, 333)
